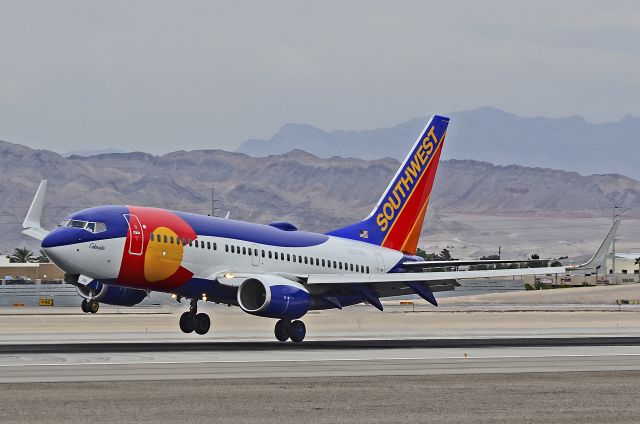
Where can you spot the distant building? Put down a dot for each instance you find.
(28, 271)
(626, 268)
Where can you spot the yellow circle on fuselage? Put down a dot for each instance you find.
(163, 257)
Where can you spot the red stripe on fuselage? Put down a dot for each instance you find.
(132, 270)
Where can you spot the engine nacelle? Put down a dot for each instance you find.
(274, 297)
(112, 295)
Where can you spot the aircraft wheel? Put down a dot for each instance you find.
(282, 330)
(297, 331)
(202, 323)
(84, 306)
(93, 306)
(187, 322)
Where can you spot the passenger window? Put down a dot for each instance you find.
(215, 246)
(367, 269)
(323, 262)
(209, 245)
(317, 262)
(255, 252)
(294, 258)
(281, 256)
(306, 260)
(357, 268)
(340, 265)
(269, 254)
(299, 258)
(351, 267)
(335, 265)
(202, 244)
(196, 242)
(190, 243)
(238, 249)
(166, 239)
(233, 249)
(250, 254)
(171, 240)
(263, 254)
(244, 250)
(151, 236)
(226, 247)
(288, 257)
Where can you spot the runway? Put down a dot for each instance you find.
(356, 367)
(338, 358)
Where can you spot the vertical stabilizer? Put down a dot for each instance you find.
(397, 219)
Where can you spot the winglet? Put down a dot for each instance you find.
(601, 253)
(31, 224)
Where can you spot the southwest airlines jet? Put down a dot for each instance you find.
(118, 254)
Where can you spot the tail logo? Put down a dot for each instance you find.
(396, 221)
(407, 180)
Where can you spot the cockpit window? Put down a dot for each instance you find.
(77, 224)
(92, 227)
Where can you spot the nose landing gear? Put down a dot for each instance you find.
(90, 306)
(294, 330)
(192, 321)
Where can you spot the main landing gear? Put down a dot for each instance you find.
(294, 330)
(90, 306)
(191, 320)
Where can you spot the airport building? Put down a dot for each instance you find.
(11, 272)
(626, 269)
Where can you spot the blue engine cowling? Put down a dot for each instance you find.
(112, 295)
(274, 297)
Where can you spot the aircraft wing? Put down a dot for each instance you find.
(372, 287)
(427, 276)
(435, 264)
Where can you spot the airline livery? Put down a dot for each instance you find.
(118, 254)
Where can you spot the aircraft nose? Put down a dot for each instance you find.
(57, 237)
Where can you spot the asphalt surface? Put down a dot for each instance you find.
(356, 367)
(586, 397)
(206, 360)
(333, 345)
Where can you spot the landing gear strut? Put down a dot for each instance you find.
(294, 330)
(191, 320)
(90, 306)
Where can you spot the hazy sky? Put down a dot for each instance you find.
(161, 76)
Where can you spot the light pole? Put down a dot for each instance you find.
(613, 249)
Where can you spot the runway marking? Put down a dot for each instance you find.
(469, 358)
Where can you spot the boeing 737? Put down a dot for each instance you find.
(118, 254)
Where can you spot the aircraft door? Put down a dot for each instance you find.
(255, 255)
(380, 262)
(136, 235)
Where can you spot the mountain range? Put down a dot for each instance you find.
(484, 134)
(316, 194)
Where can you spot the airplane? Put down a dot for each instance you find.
(119, 254)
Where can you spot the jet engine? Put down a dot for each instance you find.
(273, 297)
(112, 295)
